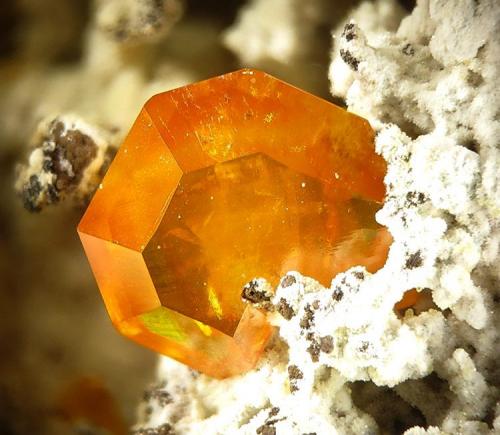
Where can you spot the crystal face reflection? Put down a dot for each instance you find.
(252, 217)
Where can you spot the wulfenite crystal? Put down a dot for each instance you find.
(219, 182)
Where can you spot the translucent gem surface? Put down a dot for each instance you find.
(219, 182)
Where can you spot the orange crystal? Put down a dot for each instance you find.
(219, 182)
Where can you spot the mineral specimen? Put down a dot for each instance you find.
(220, 182)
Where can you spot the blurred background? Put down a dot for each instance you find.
(63, 368)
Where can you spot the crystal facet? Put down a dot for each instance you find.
(219, 182)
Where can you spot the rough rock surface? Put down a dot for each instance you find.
(69, 158)
(135, 21)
